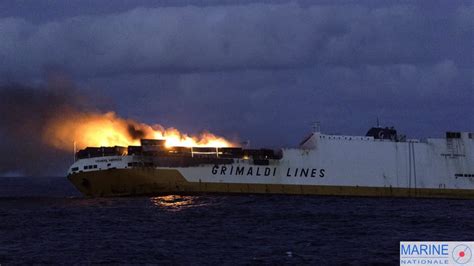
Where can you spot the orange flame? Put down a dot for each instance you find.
(96, 129)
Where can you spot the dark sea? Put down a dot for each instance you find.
(44, 220)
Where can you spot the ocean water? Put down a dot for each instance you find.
(45, 220)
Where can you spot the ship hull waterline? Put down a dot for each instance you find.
(151, 181)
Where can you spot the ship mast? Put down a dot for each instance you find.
(74, 143)
(316, 127)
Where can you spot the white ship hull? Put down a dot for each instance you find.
(324, 164)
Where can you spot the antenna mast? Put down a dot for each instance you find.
(317, 127)
(74, 151)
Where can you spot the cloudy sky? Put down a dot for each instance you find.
(262, 71)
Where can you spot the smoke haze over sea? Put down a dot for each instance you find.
(24, 112)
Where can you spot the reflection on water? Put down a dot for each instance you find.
(174, 202)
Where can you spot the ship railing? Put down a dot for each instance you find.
(216, 152)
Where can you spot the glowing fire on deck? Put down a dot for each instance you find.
(97, 129)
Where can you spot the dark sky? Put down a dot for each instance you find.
(257, 70)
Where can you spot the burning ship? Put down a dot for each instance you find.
(381, 163)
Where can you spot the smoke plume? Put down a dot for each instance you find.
(24, 111)
(41, 126)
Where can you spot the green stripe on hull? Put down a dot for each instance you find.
(150, 181)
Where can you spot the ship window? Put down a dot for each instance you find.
(130, 164)
(109, 164)
(453, 135)
(75, 169)
(95, 166)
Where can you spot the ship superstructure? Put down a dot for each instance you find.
(381, 163)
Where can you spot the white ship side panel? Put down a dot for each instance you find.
(355, 162)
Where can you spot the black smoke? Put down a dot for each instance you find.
(134, 132)
(24, 112)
